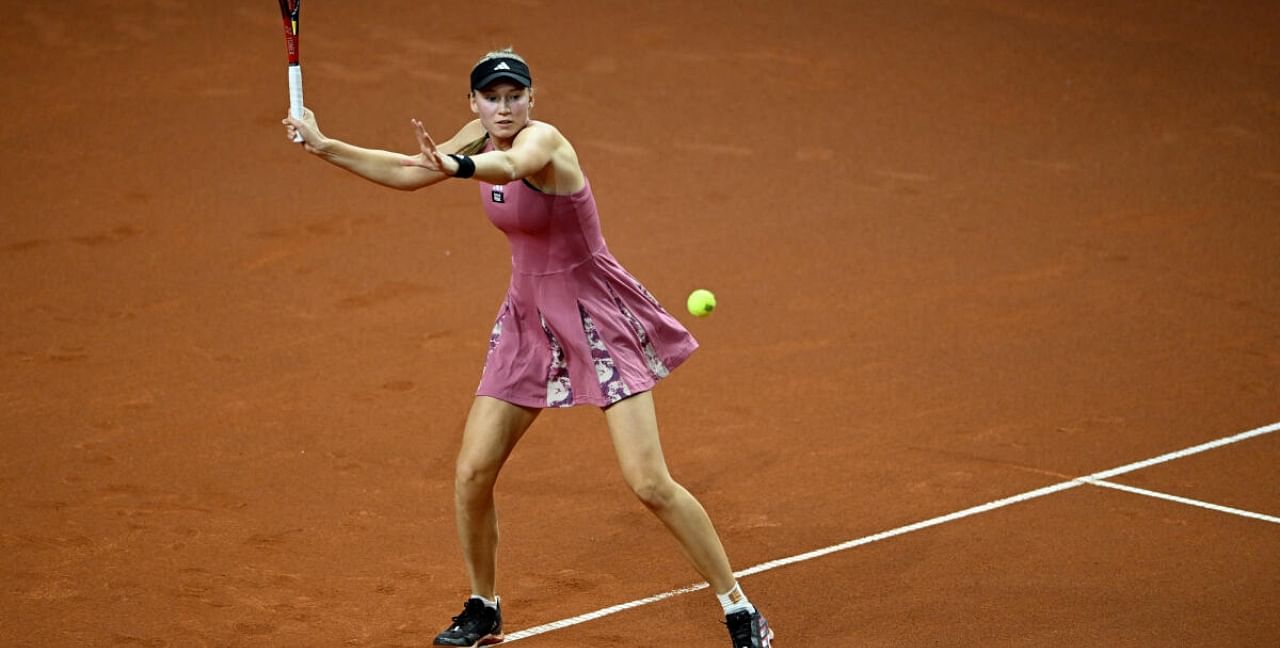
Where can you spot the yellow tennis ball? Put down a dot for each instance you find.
(701, 302)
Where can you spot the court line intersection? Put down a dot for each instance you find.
(1181, 500)
(1098, 479)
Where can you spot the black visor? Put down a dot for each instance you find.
(491, 70)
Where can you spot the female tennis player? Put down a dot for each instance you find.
(575, 329)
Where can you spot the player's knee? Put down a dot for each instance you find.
(656, 494)
(473, 480)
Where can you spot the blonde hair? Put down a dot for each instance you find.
(474, 147)
(506, 52)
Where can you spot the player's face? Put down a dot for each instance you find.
(503, 108)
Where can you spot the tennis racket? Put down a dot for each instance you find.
(289, 10)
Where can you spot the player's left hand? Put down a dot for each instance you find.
(430, 157)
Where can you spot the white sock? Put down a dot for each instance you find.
(735, 600)
(487, 603)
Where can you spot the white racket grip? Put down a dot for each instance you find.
(295, 96)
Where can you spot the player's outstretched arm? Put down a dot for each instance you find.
(383, 167)
(531, 152)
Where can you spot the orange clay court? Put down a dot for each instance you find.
(970, 252)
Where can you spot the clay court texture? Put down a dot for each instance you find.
(996, 360)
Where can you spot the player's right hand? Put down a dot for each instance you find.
(307, 128)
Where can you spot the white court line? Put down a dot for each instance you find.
(884, 535)
(1181, 500)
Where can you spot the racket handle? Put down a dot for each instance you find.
(295, 96)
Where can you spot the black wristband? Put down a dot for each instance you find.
(466, 168)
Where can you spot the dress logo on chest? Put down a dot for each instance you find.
(496, 194)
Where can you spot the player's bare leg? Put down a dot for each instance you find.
(492, 431)
(633, 424)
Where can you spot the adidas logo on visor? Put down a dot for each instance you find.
(501, 66)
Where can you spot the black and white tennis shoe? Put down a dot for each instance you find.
(478, 625)
(749, 630)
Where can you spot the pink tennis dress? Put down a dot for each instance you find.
(575, 328)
